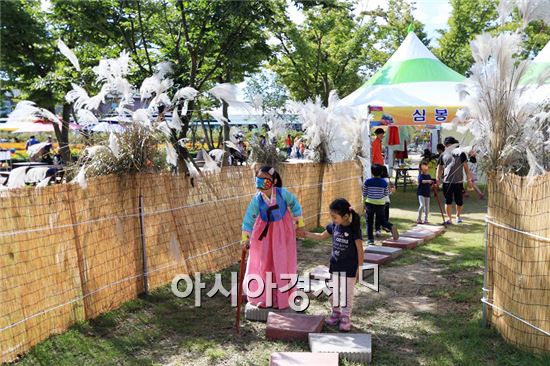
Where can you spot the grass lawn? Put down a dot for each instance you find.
(428, 312)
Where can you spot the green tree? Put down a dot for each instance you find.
(266, 84)
(468, 19)
(32, 63)
(398, 21)
(324, 53)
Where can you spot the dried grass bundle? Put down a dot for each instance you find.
(509, 127)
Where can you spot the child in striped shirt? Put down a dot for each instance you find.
(375, 191)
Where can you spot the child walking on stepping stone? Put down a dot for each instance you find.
(269, 229)
(375, 191)
(346, 258)
(425, 183)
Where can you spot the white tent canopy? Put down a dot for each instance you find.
(413, 80)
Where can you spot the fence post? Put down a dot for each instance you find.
(143, 246)
(485, 290)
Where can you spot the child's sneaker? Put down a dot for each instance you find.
(394, 232)
(370, 242)
(345, 324)
(378, 233)
(419, 221)
(459, 220)
(426, 222)
(334, 319)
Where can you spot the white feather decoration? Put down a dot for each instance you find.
(33, 150)
(209, 164)
(78, 96)
(93, 150)
(228, 93)
(171, 155)
(193, 172)
(163, 68)
(80, 178)
(66, 51)
(141, 116)
(17, 177)
(187, 93)
(165, 129)
(85, 117)
(218, 116)
(175, 121)
(43, 183)
(28, 111)
(114, 144)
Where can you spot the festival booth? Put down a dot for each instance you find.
(413, 89)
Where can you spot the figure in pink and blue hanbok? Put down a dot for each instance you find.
(269, 226)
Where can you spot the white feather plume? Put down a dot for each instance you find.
(217, 114)
(114, 145)
(193, 172)
(171, 155)
(209, 164)
(142, 116)
(43, 183)
(163, 68)
(85, 117)
(175, 121)
(228, 93)
(187, 93)
(80, 178)
(28, 111)
(66, 51)
(78, 96)
(17, 178)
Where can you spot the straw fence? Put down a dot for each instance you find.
(69, 254)
(517, 289)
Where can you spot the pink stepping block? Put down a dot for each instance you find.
(292, 327)
(436, 229)
(377, 258)
(403, 242)
(303, 359)
(419, 234)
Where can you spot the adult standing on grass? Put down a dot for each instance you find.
(377, 157)
(31, 141)
(451, 166)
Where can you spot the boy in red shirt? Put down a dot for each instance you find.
(377, 157)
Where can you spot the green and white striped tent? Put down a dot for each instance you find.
(540, 65)
(414, 87)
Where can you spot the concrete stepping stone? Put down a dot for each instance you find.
(403, 242)
(320, 273)
(377, 258)
(355, 347)
(315, 285)
(303, 359)
(437, 229)
(419, 234)
(377, 249)
(254, 313)
(292, 327)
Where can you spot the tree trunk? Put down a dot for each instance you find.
(226, 132)
(62, 134)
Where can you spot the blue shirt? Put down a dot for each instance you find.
(423, 189)
(256, 208)
(344, 257)
(375, 191)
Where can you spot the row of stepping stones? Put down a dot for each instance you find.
(326, 349)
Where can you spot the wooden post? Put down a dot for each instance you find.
(143, 245)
